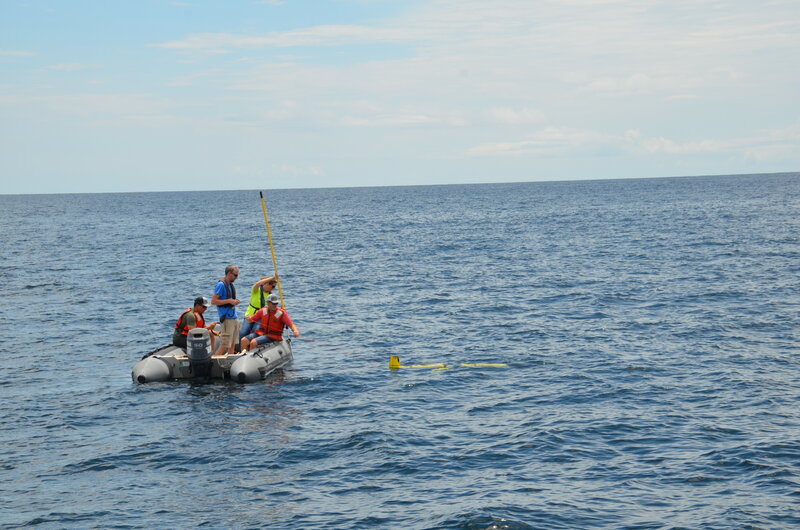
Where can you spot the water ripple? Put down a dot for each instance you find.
(649, 328)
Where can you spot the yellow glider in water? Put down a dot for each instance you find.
(394, 364)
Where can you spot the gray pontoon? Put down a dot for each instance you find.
(197, 362)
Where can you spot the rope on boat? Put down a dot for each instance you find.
(148, 354)
(394, 360)
(328, 346)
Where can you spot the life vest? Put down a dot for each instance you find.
(230, 289)
(272, 324)
(256, 297)
(226, 310)
(184, 329)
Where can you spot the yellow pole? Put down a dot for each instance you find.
(271, 247)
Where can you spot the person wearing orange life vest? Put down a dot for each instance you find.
(272, 319)
(192, 318)
(258, 299)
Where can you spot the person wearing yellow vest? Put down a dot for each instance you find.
(261, 289)
(192, 318)
(272, 320)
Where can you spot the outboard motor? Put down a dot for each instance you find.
(198, 350)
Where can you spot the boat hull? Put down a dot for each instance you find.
(170, 363)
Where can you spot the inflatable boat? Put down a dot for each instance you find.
(197, 362)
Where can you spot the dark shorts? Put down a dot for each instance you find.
(180, 342)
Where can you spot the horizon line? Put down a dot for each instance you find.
(774, 173)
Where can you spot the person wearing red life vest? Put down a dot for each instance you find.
(258, 299)
(192, 318)
(272, 319)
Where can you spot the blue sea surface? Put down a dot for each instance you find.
(650, 328)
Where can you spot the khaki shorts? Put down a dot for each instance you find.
(230, 332)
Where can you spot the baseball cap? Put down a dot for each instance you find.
(202, 300)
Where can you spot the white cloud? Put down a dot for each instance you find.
(634, 82)
(611, 48)
(665, 145)
(764, 145)
(547, 142)
(561, 80)
(775, 152)
(286, 170)
(558, 69)
(69, 67)
(391, 120)
(776, 144)
(331, 35)
(761, 145)
(279, 112)
(16, 53)
(512, 116)
(108, 105)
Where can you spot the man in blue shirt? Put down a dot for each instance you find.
(225, 299)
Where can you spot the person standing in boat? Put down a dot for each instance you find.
(190, 319)
(261, 289)
(272, 320)
(224, 298)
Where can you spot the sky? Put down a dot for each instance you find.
(156, 95)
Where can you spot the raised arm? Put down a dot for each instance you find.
(264, 280)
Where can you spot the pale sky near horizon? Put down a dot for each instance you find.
(155, 95)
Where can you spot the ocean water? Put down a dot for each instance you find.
(650, 328)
